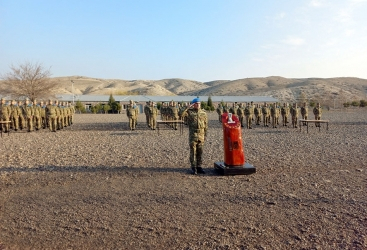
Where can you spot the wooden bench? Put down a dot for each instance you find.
(313, 121)
(180, 122)
(4, 122)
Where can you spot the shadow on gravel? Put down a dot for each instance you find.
(122, 169)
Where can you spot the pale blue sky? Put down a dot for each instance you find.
(199, 40)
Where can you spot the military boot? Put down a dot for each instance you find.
(194, 171)
(200, 170)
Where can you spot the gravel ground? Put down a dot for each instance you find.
(97, 185)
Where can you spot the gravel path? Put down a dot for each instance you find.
(98, 185)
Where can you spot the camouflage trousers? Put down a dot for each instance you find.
(152, 121)
(196, 152)
(241, 120)
(37, 121)
(294, 121)
(285, 120)
(4, 126)
(29, 120)
(52, 123)
(317, 117)
(132, 123)
(147, 117)
(258, 119)
(15, 122)
(266, 119)
(248, 121)
(304, 117)
(274, 121)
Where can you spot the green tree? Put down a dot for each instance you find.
(79, 107)
(355, 103)
(113, 104)
(204, 105)
(363, 103)
(346, 104)
(210, 103)
(159, 105)
(118, 107)
(106, 108)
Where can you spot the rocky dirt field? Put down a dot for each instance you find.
(97, 185)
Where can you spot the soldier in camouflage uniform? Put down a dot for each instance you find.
(66, 114)
(233, 109)
(131, 114)
(21, 117)
(146, 112)
(43, 115)
(36, 115)
(198, 126)
(249, 112)
(14, 116)
(294, 114)
(28, 113)
(241, 113)
(174, 114)
(317, 111)
(257, 112)
(51, 116)
(4, 115)
(225, 108)
(219, 112)
(266, 115)
(285, 114)
(153, 113)
(304, 113)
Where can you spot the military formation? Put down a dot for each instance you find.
(173, 111)
(35, 115)
(250, 114)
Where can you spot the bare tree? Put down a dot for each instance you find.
(29, 80)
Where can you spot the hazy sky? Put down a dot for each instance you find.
(200, 40)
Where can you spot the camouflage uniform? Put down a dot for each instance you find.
(131, 114)
(234, 108)
(257, 112)
(266, 115)
(14, 116)
(22, 123)
(249, 112)
(4, 115)
(147, 113)
(51, 116)
(317, 111)
(220, 112)
(43, 115)
(304, 113)
(36, 115)
(28, 113)
(274, 115)
(198, 126)
(241, 113)
(174, 114)
(285, 114)
(294, 114)
(153, 112)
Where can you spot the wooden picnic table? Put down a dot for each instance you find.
(180, 122)
(4, 122)
(314, 121)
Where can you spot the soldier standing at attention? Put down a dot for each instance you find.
(294, 114)
(257, 112)
(317, 111)
(285, 114)
(15, 111)
(304, 113)
(131, 114)
(219, 112)
(241, 113)
(43, 115)
(37, 114)
(248, 113)
(273, 112)
(21, 117)
(28, 114)
(266, 115)
(146, 112)
(174, 114)
(234, 108)
(51, 116)
(153, 113)
(4, 115)
(198, 127)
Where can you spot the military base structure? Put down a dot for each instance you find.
(141, 100)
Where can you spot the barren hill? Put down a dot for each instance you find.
(285, 89)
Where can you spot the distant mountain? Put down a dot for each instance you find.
(284, 89)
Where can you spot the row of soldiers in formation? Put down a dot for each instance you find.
(33, 115)
(269, 114)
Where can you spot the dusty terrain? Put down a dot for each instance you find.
(340, 89)
(97, 185)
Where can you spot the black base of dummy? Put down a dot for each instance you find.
(234, 170)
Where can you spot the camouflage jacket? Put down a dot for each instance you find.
(304, 110)
(198, 124)
(317, 111)
(131, 111)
